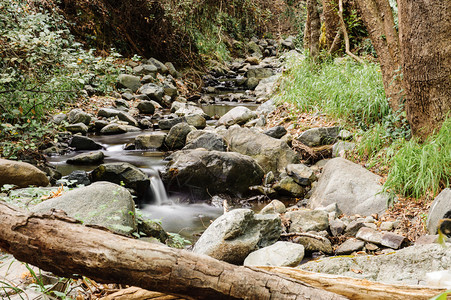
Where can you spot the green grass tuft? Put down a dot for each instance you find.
(345, 90)
(418, 168)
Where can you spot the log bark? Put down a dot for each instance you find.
(379, 21)
(63, 246)
(359, 289)
(425, 30)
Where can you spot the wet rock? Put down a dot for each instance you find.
(307, 220)
(167, 124)
(77, 128)
(274, 207)
(355, 189)
(276, 132)
(108, 112)
(288, 187)
(99, 124)
(118, 129)
(21, 174)
(314, 243)
(405, 266)
(340, 148)
(270, 153)
(280, 254)
(439, 207)
(80, 142)
(91, 158)
(208, 141)
(185, 109)
(196, 120)
(78, 116)
(350, 246)
(127, 118)
(129, 82)
(176, 138)
(301, 174)
(235, 234)
(238, 115)
(75, 178)
(319, 136)
(215, 171)
(123, 173)
(150, 141)
(146, 107)
(153, 91)
(152, 229)
(101, 203)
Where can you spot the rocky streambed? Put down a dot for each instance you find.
(160, 151)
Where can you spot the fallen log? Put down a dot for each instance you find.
(65, 247)
(358, 289)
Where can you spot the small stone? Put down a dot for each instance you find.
(353, 227)
(386, 226)
(345, 135)
(302, 174)
(350, 246)
(150, 141)
(274, 207)
(276, 132)
(90, 158)
(280, 254)
(370, 225)
(392, 240)
(337, 227)
(369, 235)
(371, 247)
(269, 178)
(78, 127)
(314, 243)
(307, 220)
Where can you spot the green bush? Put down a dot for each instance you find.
(346, 90)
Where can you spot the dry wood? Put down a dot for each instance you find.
(56, 243)
(136, 293)
(358, 289)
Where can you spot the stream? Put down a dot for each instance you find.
(175, 215)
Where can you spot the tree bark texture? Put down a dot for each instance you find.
(63, 246)
(425, 33)
(379, 21)
(332, 25)
(312, 31)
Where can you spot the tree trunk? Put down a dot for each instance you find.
(312, 28)
(378, 18)
(63, 246)
(332, 25)
(425, 30)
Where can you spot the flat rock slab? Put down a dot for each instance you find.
(405, 266)
(350, 246)
(280, 254)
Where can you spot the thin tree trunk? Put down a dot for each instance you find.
(379, 21)
(345, 33)
(332, 25)
(425, 28)
(56, 243)
(312, 28)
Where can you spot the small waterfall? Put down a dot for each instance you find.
(158, 189)
(157, 192)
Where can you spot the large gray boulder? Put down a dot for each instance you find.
(176, 138)
(440, 206)
(280, 254)
(405, 266)
(319, 136)
(80, 142)
(270, 153)
(238, 115)
(212, 171)
(153, 91)
(102, 203)
(235, 234)
(21, 174)
(354, 189)
(123, 173)
(128, 81)
(207, 140)
(78, 116)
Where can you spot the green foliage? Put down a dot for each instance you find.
(419, 168)
(177, 241)
(346, 90)
(442, 296)
(42, 69)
